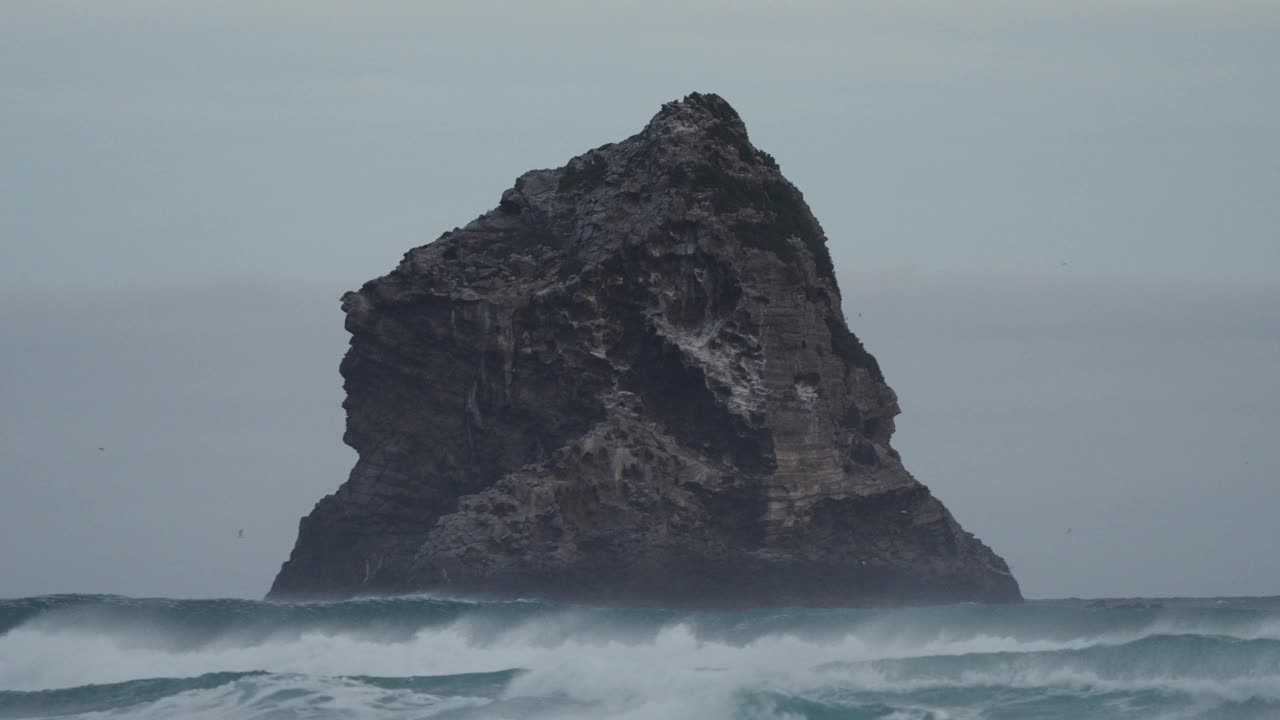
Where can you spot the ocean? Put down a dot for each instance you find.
(95, 656)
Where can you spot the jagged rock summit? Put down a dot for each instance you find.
(630, 383)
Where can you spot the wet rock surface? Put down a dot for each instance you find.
(630, 383)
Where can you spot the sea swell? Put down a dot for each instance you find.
(90, 656)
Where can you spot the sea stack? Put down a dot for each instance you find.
(631, 383)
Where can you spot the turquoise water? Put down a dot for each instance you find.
(116, 657)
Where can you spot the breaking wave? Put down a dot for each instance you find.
(96, 656)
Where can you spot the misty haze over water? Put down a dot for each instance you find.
(1053, 224)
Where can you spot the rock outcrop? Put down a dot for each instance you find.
(630, 383)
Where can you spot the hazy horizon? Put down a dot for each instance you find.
(1054, 225)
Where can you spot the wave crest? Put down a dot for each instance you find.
(424, 657)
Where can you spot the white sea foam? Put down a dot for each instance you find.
(581, 664)
(41, 656)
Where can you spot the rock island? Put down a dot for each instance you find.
(630, 383)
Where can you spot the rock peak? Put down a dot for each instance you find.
(699, 110)
(630, 383)
(703, 124)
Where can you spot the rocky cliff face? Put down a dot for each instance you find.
(630, 383)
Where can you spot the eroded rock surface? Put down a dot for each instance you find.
(630, 383)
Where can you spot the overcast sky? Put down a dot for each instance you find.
(1055, 223)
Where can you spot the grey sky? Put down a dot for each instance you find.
(1057, 220)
